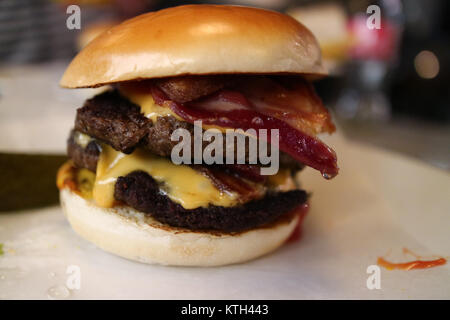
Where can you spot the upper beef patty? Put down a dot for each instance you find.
(187, 88)
(114, 120)
(118, 122)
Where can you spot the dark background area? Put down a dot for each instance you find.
(378, 96)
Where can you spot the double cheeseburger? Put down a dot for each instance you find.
(230, 67)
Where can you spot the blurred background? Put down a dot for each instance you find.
(388, 87)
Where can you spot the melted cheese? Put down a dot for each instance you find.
(181, 184)
(282, 181)
(82, 139)
(152, 110)
(148, 106)
(85, 182)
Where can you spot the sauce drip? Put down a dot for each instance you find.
(297, 232)
(411, 265)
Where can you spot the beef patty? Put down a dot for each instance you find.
(140, 191)
(87, 157)
(83, 157)
(118, 122)
(187, 88)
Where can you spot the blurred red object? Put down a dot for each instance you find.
(377, 44)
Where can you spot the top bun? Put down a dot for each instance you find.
(196, 39)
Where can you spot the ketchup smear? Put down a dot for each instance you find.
(411, 265)
(296, 234)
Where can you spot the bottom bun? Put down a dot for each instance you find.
(129, 233)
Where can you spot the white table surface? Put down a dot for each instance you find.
(380, 203)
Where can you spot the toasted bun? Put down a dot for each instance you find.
(196, 39)
(130, 234)
(93, 31)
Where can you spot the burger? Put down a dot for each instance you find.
(176, 83)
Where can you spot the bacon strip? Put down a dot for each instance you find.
(231, 109)
(248, 171)
(224, 181)
(291, 99)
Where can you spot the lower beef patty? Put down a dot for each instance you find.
(83, 157)
(140, 191)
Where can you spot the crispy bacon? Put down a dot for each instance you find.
(227, 181)
(291, 99)
(233, 110)
(248, 171)
(239, 178)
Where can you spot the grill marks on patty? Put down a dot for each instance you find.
(140, 191)
(113, 119)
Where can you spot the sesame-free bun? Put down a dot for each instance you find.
(197, 39)
(92, 31)
(129, 233)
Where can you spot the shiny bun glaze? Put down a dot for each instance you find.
(197, 39)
